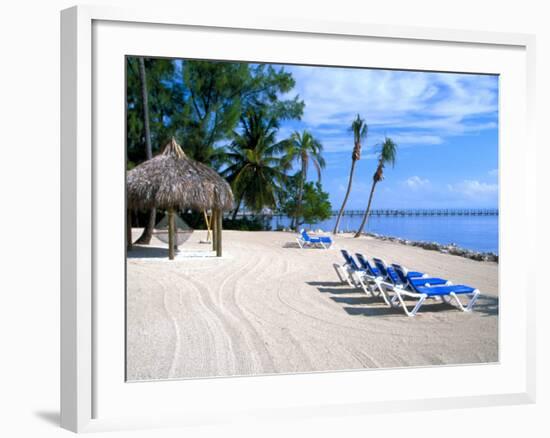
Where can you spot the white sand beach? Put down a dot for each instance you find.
(269, 307)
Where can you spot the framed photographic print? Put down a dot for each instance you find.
(279, 219)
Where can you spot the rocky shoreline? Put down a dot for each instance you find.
(446, 249)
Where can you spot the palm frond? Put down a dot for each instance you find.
(388, 153)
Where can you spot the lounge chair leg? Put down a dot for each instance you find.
(364, 286)
(470, 304)
(415, 309)
(338, 268)
(375, 289)
(473, 300)
(355, 279)
(349, 277)
(457, 301)
(382, 291)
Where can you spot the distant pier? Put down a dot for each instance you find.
(399, 212)
(424, 212)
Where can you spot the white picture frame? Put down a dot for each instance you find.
(86, 376)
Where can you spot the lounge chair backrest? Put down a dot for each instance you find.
(362, 261)
(388, 273)
(306, 236)
(381, 265)
(349, 259)
(402, 272)
(365, 264)
(346, 255)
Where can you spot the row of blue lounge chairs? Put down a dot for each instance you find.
(393, 283)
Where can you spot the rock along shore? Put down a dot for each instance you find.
(446, 249)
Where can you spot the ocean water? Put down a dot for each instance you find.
(478, 233)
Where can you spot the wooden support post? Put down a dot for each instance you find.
(207, 222)
(129, 230)
(219, 232)
(214, 224)
(171, 251)
(175, 233)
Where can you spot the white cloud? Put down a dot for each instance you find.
(413, 138)
(416, 182)
(474, 189)
(432, 104)
(493, 172)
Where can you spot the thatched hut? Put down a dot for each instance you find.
(173, 181)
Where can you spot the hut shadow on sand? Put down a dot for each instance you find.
(149, 252)
(172, 181)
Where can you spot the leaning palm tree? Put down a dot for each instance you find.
(304, 148)
(255, 167)
(359, 129)
(388, 154)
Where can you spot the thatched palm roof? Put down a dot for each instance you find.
(172, 180)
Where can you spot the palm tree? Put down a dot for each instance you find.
(304, 148)
(255, 168)
(388, 154)
(359, 129)
(147, 234)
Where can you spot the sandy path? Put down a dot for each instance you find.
(269, 307)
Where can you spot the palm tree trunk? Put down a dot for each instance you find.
(299, 202)
(365, 217)
(128, 230)
(147, 234)
(341, 212)
(237, 208)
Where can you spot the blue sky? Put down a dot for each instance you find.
(445, 126)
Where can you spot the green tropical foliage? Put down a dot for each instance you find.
(255, 165)
(163, 104)
(224, 114)
(200, 103)
(303, 148)
(227, 115)
(314, 207)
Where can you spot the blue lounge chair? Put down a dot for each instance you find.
(408, 279)
(305, 240)
(349, 272)
(371, 270)
(405, 277)
(388, 274)
(343, 271)
(421, 288)
(358, 276)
